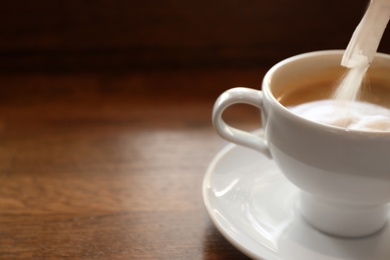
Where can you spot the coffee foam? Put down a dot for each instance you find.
(354, 115)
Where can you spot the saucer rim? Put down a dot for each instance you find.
(238, 240)
(206, 180)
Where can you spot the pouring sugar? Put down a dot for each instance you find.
(362, 48)
(355, 115)
(344, 110)
(351, 83)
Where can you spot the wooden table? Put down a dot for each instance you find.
(110, 166)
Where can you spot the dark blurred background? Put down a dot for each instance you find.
(122, 35)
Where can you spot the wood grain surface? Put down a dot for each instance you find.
(105, 116)
(111, 166)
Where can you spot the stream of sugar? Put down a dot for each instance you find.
(344, 108)
(351, 83)
(362, 48)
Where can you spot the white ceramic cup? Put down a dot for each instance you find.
(343, 175)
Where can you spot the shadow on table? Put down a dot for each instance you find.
(215, 246)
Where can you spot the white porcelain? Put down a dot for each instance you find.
(256, 208)
(344, 174)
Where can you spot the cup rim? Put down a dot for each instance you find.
(292, 116)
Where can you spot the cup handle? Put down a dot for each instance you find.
(234, 96)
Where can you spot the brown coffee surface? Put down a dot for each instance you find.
(374, 90)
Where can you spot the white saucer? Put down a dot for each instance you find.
(254, 207)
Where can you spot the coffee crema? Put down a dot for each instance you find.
(354, 115)
(375, 88)
(312, 99)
